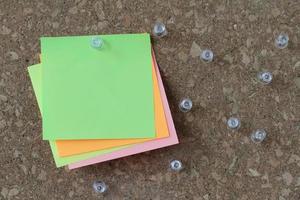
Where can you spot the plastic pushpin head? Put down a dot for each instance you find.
(176, 165)
(265, 77)
(233, 123)
(99, 186)
(258, 136)
(282, 41)
(97, 42)
(207, 55)
(159, 29)
(185, 105)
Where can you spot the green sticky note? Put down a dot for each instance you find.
(35, 73)
(97, 93)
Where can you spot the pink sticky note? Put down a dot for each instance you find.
(143, 147)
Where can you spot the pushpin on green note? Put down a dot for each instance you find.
(97, 42)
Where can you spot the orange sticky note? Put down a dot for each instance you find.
(72, 147)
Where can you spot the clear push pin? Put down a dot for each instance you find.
(159, 30)
(176, 165)
(99, 186)
(233, 123)
(258, 136)
(265, 77)
(207, 55)
(186, 105)
(282, 41)
(97, 42)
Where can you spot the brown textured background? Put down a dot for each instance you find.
(219, 164)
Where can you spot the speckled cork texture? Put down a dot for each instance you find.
(219, 164)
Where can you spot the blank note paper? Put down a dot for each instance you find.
(91, 93)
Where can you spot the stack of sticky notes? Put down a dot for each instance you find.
(101, 97)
